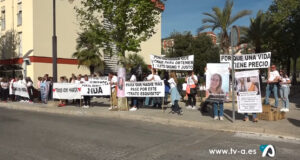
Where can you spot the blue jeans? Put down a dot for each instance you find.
(284, 94)
(271, 88)
(253, 115)
(134, 101)
(166, 97)
(220, 104)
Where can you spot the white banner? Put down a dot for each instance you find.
(98, 86)
(248, 92)
(20, 89)
(145, 89)
(66, 91)
(248, 61)
(176, 63)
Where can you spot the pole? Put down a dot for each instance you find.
(232, 84)
(54, 45)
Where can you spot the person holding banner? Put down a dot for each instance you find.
(133, 99)
(175, 96)
(4, 90)
(113, 83)
(87, 99)
(272, 82)
(154, 77)
(62, 102)
(284, 91)
(30, 88)
(191, 90)
(44, 90)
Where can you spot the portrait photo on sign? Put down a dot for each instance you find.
(247, 83)
(217, 81)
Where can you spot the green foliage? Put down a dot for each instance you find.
(8, 45)
(222, 19)
(201, 47)
(87, 51)
(134, 60)
(121, 24)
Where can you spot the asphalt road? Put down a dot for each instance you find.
(30, 136)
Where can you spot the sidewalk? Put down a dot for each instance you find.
(288, 128)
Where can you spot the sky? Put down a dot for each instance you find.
(187, 15)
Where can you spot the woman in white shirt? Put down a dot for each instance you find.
(284, 91)
(29, 85)
(175, 96)
(133, 99)
(191, 91)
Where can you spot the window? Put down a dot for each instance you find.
(19, 13)
(20, 45)
(2, 18)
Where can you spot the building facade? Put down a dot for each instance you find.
(33, 22)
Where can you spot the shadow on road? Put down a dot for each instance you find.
(295, 122)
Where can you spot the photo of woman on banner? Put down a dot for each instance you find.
(252, 84)
(215, 91)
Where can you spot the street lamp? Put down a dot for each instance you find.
(54, 45)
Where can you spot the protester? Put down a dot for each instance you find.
(272, 82)
(191, 90)
(175, 96)
(284, 91)
(44, 90)
(4, 90)
(62, 102)
(87, 99)
(30, 89)
(157, 101)
(113, 83)
(167, 87)
(133, 99)
(11, 89)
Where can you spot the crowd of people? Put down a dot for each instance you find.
(43, 90)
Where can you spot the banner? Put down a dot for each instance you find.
(20, 89)
(248, 92)
(217, 82)
(96, 86)
(248, 61)
(185, 63)
(66, 91)
(145, 89)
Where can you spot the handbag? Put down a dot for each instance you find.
(193, 91)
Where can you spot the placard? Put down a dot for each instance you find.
(248, 92)
(248, 61)
(20, 89)
(185, 63)
(145, 89)
(217, 82)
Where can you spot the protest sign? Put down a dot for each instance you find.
(248, 61)
(121, 81)
(97, 86)
(145, 89)
(175, 63)
(248, 92)
(66, 91)
(20, 89)
(217, 82)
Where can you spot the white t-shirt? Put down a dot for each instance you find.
(190, 80)
(133, 78)
(284, 80)
(114, 79)
(4, 85)
(156, 77)
(273, 75)
(77, 81)
(172, 82)
(29, 84)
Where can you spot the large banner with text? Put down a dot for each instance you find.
(66, 91)
(98, 86)
(145, 89)
(184, 63)
(248, 61)
(20, 89)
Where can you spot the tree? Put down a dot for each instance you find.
(201, 47)
(256, 32)
(222, 19)
(8, 45)
(121, 24)
(88, 51)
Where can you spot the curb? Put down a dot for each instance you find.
(164, 121)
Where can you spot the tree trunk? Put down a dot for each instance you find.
(92, 69)
(294, 80)
(288, 66)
